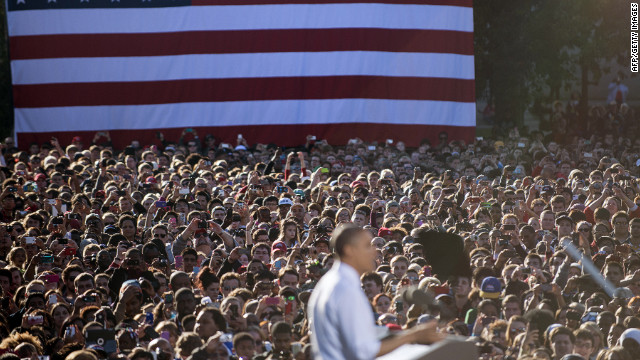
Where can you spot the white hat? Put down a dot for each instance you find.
(285, 201)
(632, 333)
(623, 293)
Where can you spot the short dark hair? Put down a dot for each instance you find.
(372, 276)
(189, 251)
(7, 273)
(84, 277)
(217, 316)
(562, 330)
(280, 327)
(288, 271)
(240, 337)
(584, 334)
(343, 235)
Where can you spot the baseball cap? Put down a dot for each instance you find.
(444, 297)
(304, 296)
(279, 246)
(285, 201)
(74, 224)
(577, 266)
(563, 218)
(572, 357)
(392, 203)
(151, 180)
(602, 239)
(111, 229)
(40, 176)
(628, 280)
(86, 241)
(408, 240)
(394, 327)
(579, 207)
(482, 232)
(383, 231)
(323, 239)
(424, 318)
(92, 216)
(623, 293)
(129, 283)
(632, 333)
(490, 288)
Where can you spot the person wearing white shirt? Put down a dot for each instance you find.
(617, 92)
(341, 318)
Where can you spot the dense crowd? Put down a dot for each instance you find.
(194, 249)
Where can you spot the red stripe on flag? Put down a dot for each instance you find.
(243, 89)
(228, 42)
(464, 3)
(283, 135)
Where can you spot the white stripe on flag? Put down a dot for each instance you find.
(282, 112)
(155, 68)
(245, 17)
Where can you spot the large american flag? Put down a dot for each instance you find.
(274, 71)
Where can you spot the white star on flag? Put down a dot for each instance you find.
(51, 1)
(21, 2)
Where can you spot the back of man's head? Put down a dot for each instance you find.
(174, 276)
(280, 327)
(183, 292)
(342, 236)
(630, 340)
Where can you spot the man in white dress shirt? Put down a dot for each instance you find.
(342, 322)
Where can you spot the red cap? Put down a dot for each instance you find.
(151, 180)
(279, 245)
(74, 224)
(394, 327)
(40, 176)
(76, 139)
(356, 184)
(383, 231)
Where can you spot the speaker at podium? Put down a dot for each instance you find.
(444, 350)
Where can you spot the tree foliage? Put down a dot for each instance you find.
(527, 51)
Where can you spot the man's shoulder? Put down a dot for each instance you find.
(332, 280)
(329, 287)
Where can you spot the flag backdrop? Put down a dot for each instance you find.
(274, 71)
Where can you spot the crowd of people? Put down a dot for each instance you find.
(194, 249)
